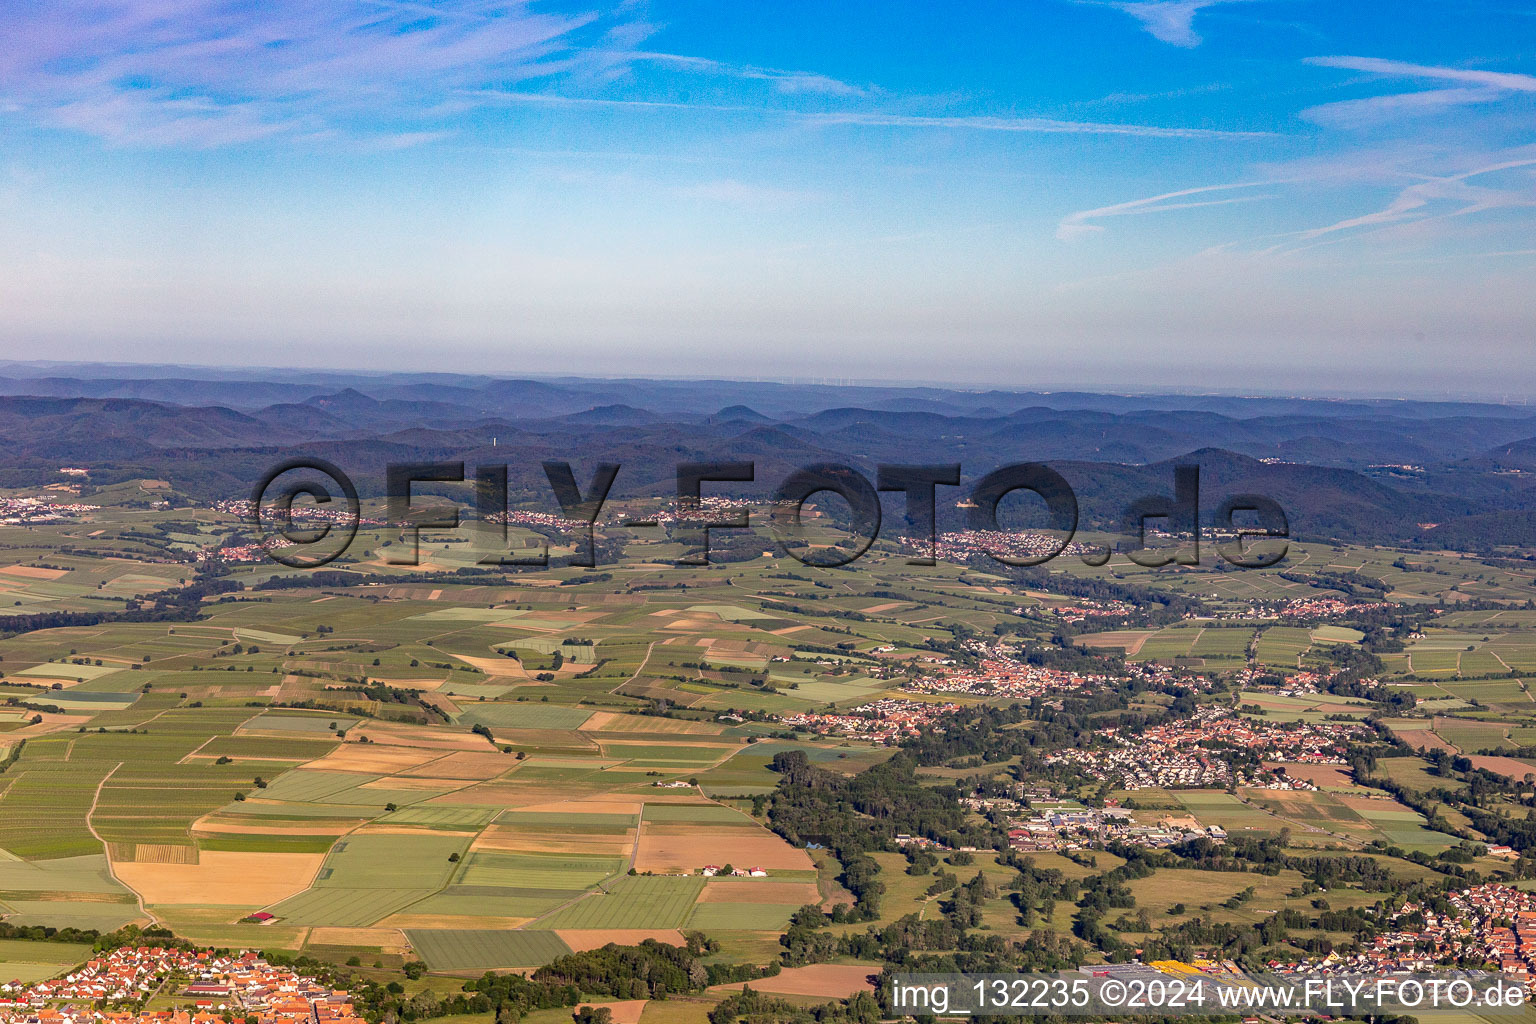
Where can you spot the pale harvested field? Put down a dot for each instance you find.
(1422, 736)
(831, 981)
(394, 734)
(1427, 740)
(693, 625)
(505, 840)
(627, 1011)
(682, 798)
(370, 759)
(50, 723)
(470, 766)
(1290, 801)
(608, 721)
(32, 572)
(625, 751)
(731, 646)
(496, 668)
(671, 850)
(502, 794)
(297, 687)
(759, 890)
(581, 939)
(1367, 804)
(440, 701)
(390, 940)
(1508, 767)
(407, 830)
(1324, 776)
(217, 825)
(154, 853)
(636, 772)
(887, 606)
(589, 805)
(223, 878)
(415, 782)
(450, 921)
(1130, 639)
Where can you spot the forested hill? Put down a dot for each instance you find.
(1404, 473)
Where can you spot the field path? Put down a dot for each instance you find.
(634, 851)
(111, 869)
(636, 674)
(555, 910)
(1305, 826)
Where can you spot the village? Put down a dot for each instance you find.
(202, 986)
(965, 545)
(1004, 677)
(1487, 927)
(1492, 926)
(887, 720)
(18, 511)
(1326, 608)
(1192, 753)
(1082, 610)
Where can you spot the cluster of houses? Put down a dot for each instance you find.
(905, 840)
(1074, 828)
(965, 545)
(234, 554)
(1084, 608)
(200, 985)
(659, 517)
(714, 870)
(1192, 753)
(1130, 765)
(20, 511)
(1326, 607)
(1003, 676)
(1297, 742)
(887, 720)
(332, 512)
(1489, 925)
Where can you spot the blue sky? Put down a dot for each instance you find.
(1277, 195)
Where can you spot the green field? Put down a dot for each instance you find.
(632, 902)
(35, 961)
(468, 950)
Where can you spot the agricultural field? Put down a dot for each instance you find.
(485, 772)
(423, 761)
(34, 961)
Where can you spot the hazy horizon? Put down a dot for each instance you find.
(86, 369)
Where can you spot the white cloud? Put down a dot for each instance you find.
(212, 72)
(1171, 21)
(789, 82)
(1452, 195)
(1466, 87)
(1502, 80)
(1036, 125)
(1081, 224)
(874, 119)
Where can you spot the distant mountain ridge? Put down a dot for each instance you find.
(1354, 470)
